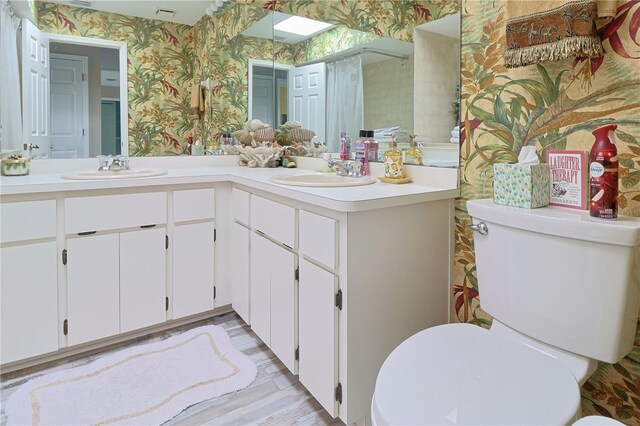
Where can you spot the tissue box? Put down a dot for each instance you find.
(521, 185)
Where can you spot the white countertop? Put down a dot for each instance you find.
(346, 199)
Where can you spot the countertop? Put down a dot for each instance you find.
(346, 199)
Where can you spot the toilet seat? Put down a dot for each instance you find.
(463, 374)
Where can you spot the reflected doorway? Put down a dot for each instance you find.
(110, 127)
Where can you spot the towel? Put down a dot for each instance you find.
(551, 30)
(196, 106)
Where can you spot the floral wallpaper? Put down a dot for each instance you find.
(553, 105)
(161, 56)
(326, 43)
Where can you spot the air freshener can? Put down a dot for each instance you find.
(603, 174)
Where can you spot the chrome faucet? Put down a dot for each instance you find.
(28, 147)
(345, 167)
(114, 164)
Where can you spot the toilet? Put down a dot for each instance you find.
(563, 290)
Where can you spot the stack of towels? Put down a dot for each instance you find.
(455, 135)
(380, 135)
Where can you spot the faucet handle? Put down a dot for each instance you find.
(103, 162)
(123, 160)
(355, 168)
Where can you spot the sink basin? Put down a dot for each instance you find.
(112, 174)
(319, 180)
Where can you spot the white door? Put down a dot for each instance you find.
(284, 305)
(35, 88)
(69, 106)
(29, 289)
(240, 270)
(307, 97)
(193, 251)
(260, 288)
(318, 334)
(142, 278)
(262, 99)
(93, 296)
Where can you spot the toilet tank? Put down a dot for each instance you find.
(559, 276)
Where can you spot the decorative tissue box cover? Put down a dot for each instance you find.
(521, 185)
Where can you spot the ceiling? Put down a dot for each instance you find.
(187, 12)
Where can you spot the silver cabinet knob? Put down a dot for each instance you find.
(481, 228)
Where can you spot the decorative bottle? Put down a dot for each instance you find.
(413, 155)
(344, 150)
(393, 160)
(373, 146)
(603, 174)
(362, 152)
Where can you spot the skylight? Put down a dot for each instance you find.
(301, 26)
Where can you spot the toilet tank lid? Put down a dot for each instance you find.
(559, 221)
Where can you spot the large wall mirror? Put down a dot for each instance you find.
(74, 95)
(332, 78)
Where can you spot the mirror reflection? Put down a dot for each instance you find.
(394, 86)
(337, 79)
(84, 101)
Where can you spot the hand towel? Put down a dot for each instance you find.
(551, 30)
(196, 106)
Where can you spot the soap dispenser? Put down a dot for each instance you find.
(413, 155)
(393, 168)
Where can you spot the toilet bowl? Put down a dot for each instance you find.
(464, 374)
(553, 319)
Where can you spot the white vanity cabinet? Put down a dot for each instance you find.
(240, 236)
(193, 241)
(28, 282)
(318, 334)
(319, 307)
(366, 281)
(116, 264)
(273, 292)
(273, 297)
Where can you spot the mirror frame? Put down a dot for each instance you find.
(123, 74)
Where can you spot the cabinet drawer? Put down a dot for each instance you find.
(318, 236)
(114, 211)
(240, 205)
(193, 204)
(27, 220)
(274, 219)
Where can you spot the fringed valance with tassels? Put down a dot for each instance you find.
(550, 30)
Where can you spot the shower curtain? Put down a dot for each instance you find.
(345, 102)
(10, 106)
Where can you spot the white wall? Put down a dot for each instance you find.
(388, 94)
(437, 64)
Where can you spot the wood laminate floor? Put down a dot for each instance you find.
(276, 397)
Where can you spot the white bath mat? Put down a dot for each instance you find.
(145, 384)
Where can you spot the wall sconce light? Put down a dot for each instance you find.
(217, 6)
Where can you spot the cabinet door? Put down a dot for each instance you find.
(142, 278)
(29, 301)
(260, 292)
(284, 303)
(318, 334)
(192, 269)
(93, 297)
(240, 270)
